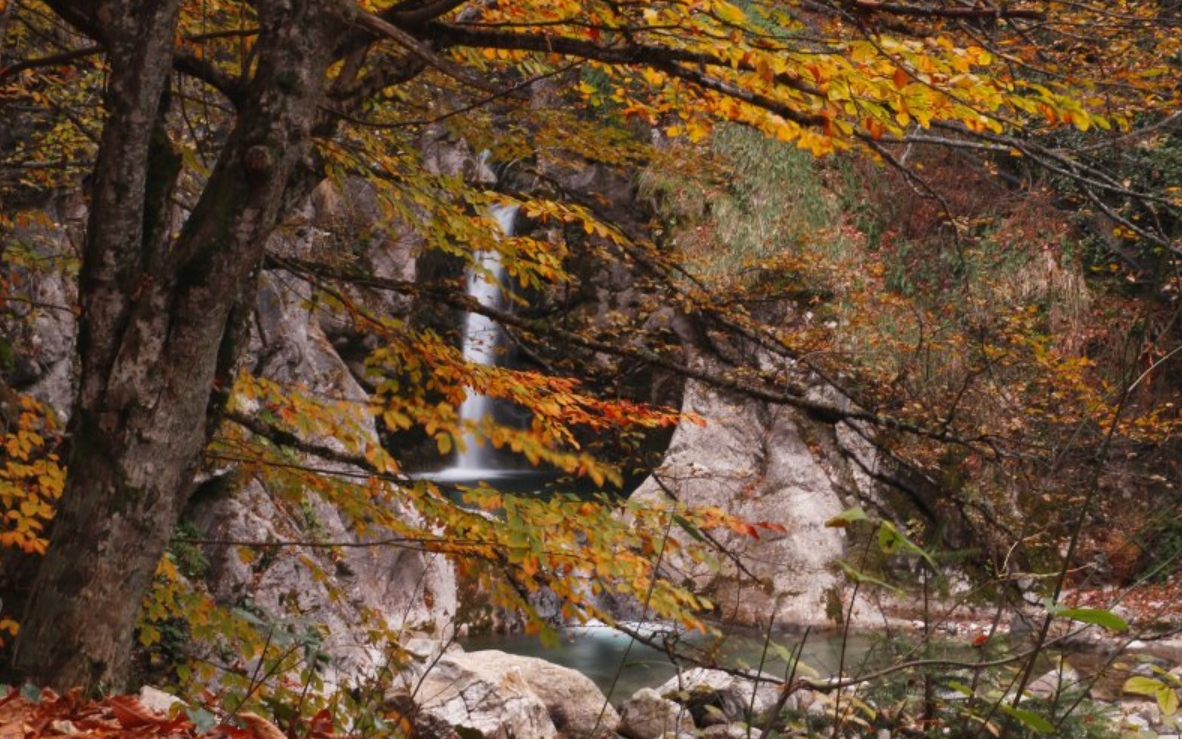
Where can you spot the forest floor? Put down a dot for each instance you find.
(1151, 607)
(31, 714)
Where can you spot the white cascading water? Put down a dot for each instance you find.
(481, 336)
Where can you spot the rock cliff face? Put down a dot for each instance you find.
(38, 328)
(407, 592)
(756, 462)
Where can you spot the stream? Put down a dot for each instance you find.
(620, 666)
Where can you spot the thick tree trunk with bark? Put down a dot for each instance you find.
(156, 314)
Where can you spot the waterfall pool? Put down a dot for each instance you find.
(620, 666)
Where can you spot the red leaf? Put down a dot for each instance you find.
(321, 724)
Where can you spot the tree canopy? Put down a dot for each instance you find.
(194, 127)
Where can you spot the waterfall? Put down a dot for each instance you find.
(481, 336)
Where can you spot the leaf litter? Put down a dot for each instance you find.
(26, 714)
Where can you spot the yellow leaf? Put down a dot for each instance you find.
(729, 13)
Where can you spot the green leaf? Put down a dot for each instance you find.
(248, 617)
(847, 517)
(893, 541)
(889, 538)
(1096, 616)
(862, 577)
(1029, 719)
(689, 528)
(961, 688)
(781, 651)
(1167, 700)
(1141, 685)
(1165, 694)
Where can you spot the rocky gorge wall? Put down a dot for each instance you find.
(753, 461)
(759, 462)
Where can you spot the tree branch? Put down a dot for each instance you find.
(384, 29)
(199, 68)
(976, 11)
(51, 60)
(412, 13)
(629, 53)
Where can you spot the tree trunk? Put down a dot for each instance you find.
(154, 321)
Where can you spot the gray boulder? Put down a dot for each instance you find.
(647, 715)
(503, 695)
(714, 696)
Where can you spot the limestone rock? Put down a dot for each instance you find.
(349, 591)
(491, 699)
(38, 329)
(496, 693)
(1055, 682)
(753, 461)
(735, 698)
(647, 715)
(729, 731)
(410, 592)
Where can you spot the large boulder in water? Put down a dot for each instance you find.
(715, 696)
(647, 715)
(503, 695)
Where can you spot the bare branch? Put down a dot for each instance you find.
(51, 60)
(384, 29)
(976, 11)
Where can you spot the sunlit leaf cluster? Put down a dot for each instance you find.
(32, 476)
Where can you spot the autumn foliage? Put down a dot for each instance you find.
(33, 714)
(201, 128)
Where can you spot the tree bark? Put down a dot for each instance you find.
(154, 323)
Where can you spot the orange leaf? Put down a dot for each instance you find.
(261, 728)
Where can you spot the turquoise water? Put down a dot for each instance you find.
(621, 666)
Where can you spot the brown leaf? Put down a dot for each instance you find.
(131, 713)
(14, 710)
(225, 731)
